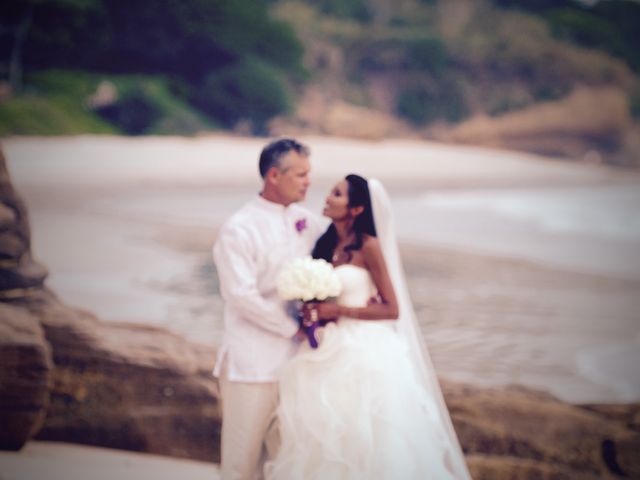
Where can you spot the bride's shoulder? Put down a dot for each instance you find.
(372, 253)
(370, 245)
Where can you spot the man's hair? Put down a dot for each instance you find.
(273, 153)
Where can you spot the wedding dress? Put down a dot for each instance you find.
(365, 404)
(353, 409)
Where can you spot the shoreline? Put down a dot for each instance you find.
(232, 161)
(40, 460)
(511, 321)
(134, 220)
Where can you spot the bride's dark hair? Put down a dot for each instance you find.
(363, 224)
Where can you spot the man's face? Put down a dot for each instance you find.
(292, 180)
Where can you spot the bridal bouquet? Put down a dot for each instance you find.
(307, 279)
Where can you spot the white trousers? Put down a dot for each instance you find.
(249, 429)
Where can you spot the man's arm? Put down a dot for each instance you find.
(237, 271)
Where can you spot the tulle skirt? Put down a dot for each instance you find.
(353, 409)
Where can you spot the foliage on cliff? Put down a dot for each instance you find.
(241, 63)
(214, 54)
(428, 60)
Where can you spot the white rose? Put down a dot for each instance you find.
(308, 279)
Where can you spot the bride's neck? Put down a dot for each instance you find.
(344, 230)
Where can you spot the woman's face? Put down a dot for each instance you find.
(336, 205)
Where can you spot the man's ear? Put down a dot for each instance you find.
(355, 211)
(272, 175)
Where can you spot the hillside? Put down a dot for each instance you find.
(558, 78)
(470, 72)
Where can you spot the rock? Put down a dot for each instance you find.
(20, 227)
(19, 273)
(625, 414)
(143, 388)
(128, 386)
(318, 112)
(19, 278)
(11, 246)
(526, 424)
(590, 122)
(25, 376)
(25, 356)
(5, 179)
(7, 217)
(624, 452)
(343, 119)
(115, 385)
(488, 467)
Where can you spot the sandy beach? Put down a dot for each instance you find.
(61, 461)
(523, 269)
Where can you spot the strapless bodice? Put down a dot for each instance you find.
(357, 285)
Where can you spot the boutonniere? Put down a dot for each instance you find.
(301, 225)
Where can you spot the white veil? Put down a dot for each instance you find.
(407, 324)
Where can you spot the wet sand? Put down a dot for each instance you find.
(126, 227)
(61, 461)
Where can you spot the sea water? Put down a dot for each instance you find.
(103, 212)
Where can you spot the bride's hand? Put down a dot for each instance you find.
(323, 311)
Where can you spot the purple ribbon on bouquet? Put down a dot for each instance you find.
(310, 331)
(310, 327)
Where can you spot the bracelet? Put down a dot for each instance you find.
(314, 318)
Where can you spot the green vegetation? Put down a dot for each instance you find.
(52, 104)
(422, 104)
(610, 25)
(55, 102)
(426, 89)
(195, 65)
(251, 91)
(393, 51)
(188, 42)
(358, 10)
(31, 115)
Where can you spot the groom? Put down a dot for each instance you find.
(260, 336)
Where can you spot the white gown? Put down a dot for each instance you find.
(353, 409)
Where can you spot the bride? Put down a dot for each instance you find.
(366, 403)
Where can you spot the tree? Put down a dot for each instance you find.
(189, 41)
(19, 16)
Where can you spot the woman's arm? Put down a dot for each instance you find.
(386, 309)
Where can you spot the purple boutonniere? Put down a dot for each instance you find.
(301, 225)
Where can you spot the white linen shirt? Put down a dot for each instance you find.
(251, 248)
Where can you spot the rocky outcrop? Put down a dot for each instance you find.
(317, 112)
(19, 273)
(65, 375)
(25, 357)
(118, 385)
(128, 386)
(25, 376)
(590, 124)
(513, 433)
